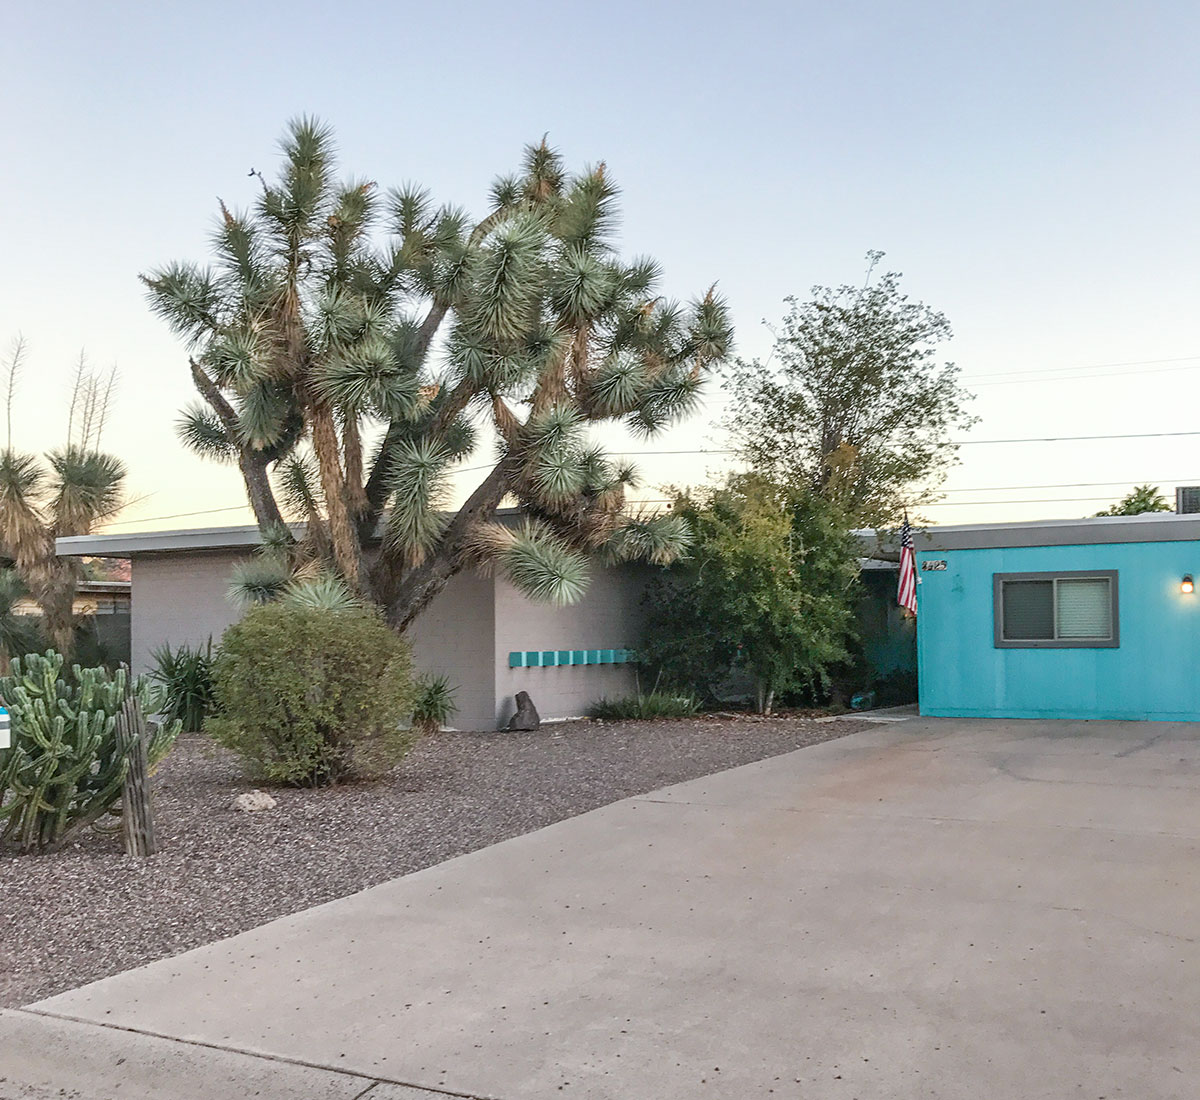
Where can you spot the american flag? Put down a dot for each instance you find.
(906, 594)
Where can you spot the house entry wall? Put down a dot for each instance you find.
(179, 599)
(1150, 673)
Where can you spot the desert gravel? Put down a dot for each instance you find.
(89, 911)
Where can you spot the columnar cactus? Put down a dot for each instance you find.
(66, 766)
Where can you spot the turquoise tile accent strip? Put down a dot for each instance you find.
(553, 658)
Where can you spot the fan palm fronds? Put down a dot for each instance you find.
(86, 489)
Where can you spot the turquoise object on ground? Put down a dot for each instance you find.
(579, 657)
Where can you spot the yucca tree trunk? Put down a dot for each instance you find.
(57, 602)
(347, 552)
(352, 446)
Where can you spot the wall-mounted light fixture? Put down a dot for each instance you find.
(1187, 586)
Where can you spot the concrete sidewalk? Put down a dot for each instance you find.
(936, 908)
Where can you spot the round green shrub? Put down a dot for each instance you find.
(308, 696)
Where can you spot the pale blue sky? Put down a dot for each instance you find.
(1033, 170)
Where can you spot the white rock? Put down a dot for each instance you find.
(253, 801)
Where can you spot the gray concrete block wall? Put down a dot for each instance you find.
(608, 617)
(454, 637)
(179, 599)
(466, 634)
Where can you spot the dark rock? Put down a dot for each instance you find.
(526, 717)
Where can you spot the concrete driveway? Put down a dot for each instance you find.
(935, 908)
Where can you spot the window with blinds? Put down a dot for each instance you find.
(1056, 610)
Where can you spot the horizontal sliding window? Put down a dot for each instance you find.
(1055, 610)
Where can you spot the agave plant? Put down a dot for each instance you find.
(315, 329)
(186, 675)
(324, 592)
(435, 704)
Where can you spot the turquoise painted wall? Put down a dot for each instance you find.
(1155, 672)
(888, 636)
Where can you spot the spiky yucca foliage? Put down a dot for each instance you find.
(18, 633)
(311, 337)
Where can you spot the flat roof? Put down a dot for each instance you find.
(1150, 527)
(197, 539)
(159, 542)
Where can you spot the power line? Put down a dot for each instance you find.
(955, 503)
(1084, 377)
(1078, 484)
(949, 443)
(178, 515)
(725, 451)
(1069, 438)
(1031, 500)
(1041, 371)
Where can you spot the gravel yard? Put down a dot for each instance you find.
(87, 912)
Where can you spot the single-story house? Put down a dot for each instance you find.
(1091, 618)
(481, 632)
(489, 639)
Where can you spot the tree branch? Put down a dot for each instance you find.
(253, 464)
(376, 486)
(411, 593)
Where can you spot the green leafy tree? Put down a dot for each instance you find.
(351, 348)
(70, 492)
(1142, 498)
(852, 404)
(768, 587)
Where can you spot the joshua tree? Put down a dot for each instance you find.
(74, 489)
(336, 322)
